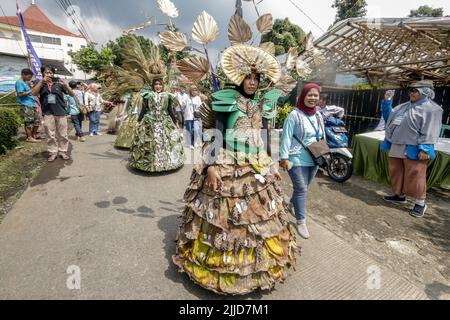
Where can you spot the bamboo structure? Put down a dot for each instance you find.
(389, 50)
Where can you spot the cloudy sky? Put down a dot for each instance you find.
(105, 19)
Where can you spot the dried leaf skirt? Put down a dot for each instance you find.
(157, 145)
(125, 135)
(240, 239)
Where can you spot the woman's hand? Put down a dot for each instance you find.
(214, 181)
(278, 176)
(284, 164)
(423, 156)
(46, 79)
(64, 85)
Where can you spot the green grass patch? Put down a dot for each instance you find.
(17, 168)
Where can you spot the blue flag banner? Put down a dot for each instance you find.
(214, 81)
(34, 59)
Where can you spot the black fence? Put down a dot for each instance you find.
(363, 107)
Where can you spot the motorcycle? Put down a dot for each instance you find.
(339, 165)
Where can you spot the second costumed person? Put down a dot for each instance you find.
(130, 80)
(157, 144)
(125, 134)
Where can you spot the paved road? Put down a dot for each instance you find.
(118, 227)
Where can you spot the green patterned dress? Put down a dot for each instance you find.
(157, 144)
(241, 238)
(127, 129)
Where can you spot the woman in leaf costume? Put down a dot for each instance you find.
(157, 144)
(237, 233)
(138, 70)
(125, 135)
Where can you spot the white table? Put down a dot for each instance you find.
(443, 144)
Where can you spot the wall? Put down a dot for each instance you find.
(10, 68)
(11, 46)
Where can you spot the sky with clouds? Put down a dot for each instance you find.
(106, 19)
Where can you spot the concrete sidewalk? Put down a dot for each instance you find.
(119, 226)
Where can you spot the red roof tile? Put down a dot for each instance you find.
(36, 20)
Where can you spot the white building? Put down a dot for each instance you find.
(51, 43)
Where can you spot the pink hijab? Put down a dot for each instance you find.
(301, 101)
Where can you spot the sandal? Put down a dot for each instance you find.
(32, 140)
(52, 158)
(64, 156)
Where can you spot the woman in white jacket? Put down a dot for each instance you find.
(94, 101)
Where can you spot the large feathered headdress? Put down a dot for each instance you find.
(137, 70)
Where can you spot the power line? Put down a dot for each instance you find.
(86, 29)
(300, 9)
(70, 17)
(86, 4)
(78, 24)
(93, 9)
(69, 5)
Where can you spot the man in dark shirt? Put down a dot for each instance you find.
(50, 91)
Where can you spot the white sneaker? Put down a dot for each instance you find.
(192, 147)
(302, 229)
(98, 134)
(91, 134)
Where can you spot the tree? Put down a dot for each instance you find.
(117, 45)
(121, 42)
(349, 9)
(427, 11)
(167, 56)
(205, 85)
(90, 60)
(285, 35)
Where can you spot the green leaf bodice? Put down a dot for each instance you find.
(245, 120)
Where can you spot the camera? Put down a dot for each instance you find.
(55, 79)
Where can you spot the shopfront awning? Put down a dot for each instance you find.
(58, 65)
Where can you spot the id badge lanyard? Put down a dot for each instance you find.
(398, 120)
(317, 130)
(51, 99)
